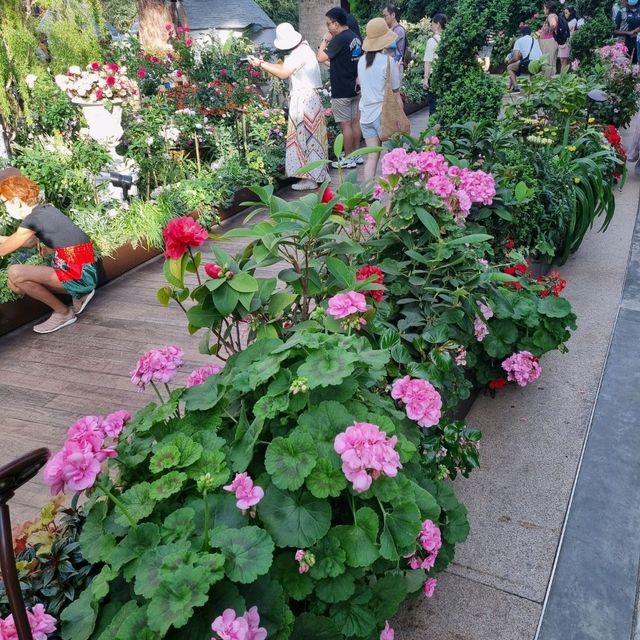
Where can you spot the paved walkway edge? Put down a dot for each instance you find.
(593, 588)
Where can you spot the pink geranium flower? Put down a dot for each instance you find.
(422, 402)
(114, 423)
(480, 329)
(230, 626)
(200, 375)
(247, 495)
(387, 633)
(429, 587)
(80, 468)
(345, 304)
(522, 367)
(157, 365)
(430, 537)
(366, 454)
(40, 623)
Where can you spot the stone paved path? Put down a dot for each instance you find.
(532, 437)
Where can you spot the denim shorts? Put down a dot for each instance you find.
(371, 129)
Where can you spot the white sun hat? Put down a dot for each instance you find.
(286, 37)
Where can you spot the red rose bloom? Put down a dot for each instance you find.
(498, 383)
(182, 233)
(99, 94)
(366, 272)
(110, 81)
(142, 72)
(114, 68)
(328, 196)
(95, 66)
(213, 270)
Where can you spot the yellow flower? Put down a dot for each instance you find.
(571, 148)
(592, 120)
(576, 180)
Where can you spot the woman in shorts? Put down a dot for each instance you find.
(73, 269)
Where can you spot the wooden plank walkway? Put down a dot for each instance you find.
(47, 382)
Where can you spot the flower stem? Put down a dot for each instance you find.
(205, 532)
(118, 504)
(153, 384)
(195, 266)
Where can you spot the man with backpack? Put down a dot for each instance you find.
(391, 15)
(525, 50)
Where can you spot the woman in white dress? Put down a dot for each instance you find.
(307, 132)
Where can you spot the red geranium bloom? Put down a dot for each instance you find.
(95, 66)
(182, 233)
(99, 94)
(142, 72)
(510, 244)
(328, 196)
(114, 68)
(366, 272)
(110, 81)
(498, 383)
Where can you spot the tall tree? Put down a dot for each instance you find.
(154, 16)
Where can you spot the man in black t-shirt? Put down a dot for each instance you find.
(341, 48)
(72, 270)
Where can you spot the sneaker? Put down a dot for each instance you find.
(55, 322)
(80, 303)
(359, 160)
(343, 163)
(304, 185)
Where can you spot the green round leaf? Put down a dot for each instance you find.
(336, 589)
(290, 460)
(326, 479)
(294, 520)
(248, 552)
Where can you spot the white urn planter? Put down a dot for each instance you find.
(105, 126)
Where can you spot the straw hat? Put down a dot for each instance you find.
(286, 37)
(379, 36)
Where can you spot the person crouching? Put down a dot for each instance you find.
(73, 269)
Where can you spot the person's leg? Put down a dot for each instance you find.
(512, 70)
(38, 282)
(371, 159)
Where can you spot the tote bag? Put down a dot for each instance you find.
(394, 119)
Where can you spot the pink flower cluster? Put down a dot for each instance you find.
(387, 633)
(522, 367)
(429, 587)
(305, 560)
(230, 626)
(480, 329)
(363, 221)
(157, 365)
(458, 188)
(365, 448)
(247, 495)
(77, 465)
(200, 375)
(97, 82)
(343, 305)
(617, 53)
(423, 402)
(431, 541)
(40, 622)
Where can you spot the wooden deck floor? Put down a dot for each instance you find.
(47, 382)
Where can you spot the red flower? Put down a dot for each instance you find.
(328, 196)
(99, 94)
(366, 272)
(179, 73)
(188, 42)
(114, 68)
(182, 233)
(498, 383)
(213, 270)
(223, 73)
(155, 60)
(95, 66)
(110, 81)
(510, 244)
(612, 135)
(142, 72)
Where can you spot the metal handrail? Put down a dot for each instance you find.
(12, 477)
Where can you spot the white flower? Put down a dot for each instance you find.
(30, 80)
(75, 69)
(149, 141)
(62, 82)
(171, 134)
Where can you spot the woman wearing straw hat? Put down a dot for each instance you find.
(307, 132)
(372, 75)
